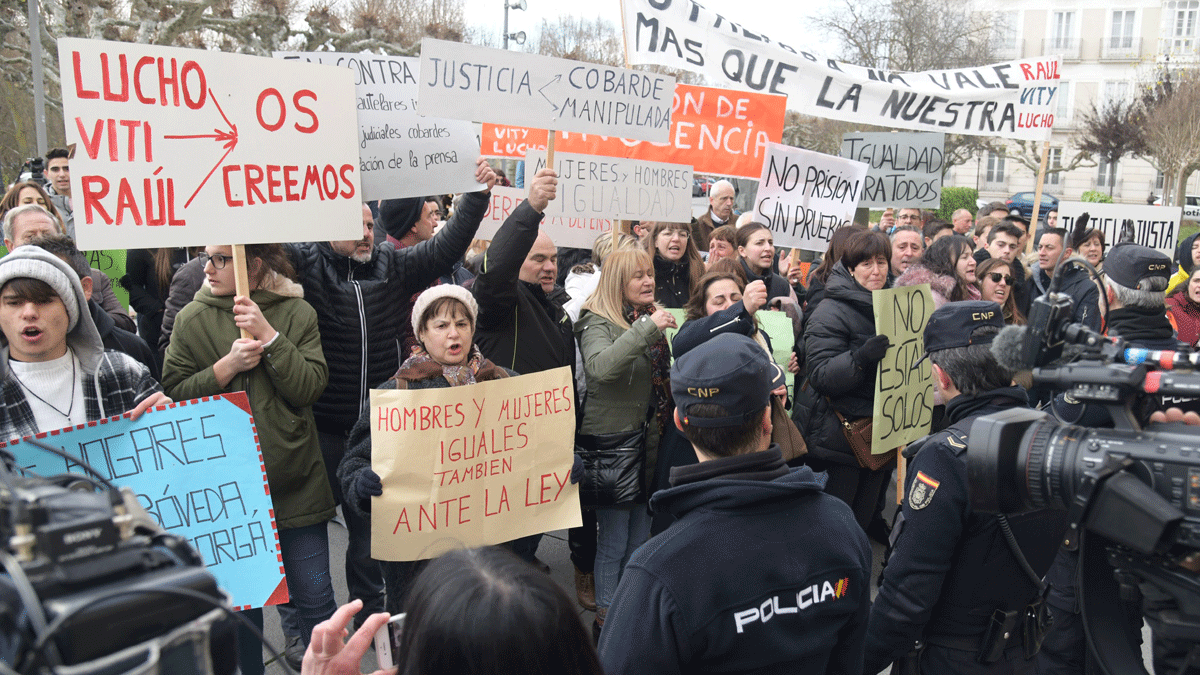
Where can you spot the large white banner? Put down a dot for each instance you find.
(803, 196)
(401, 153)
(186, 147)
(495, 85)
(1010, 100)
(616, 187)
(905, 168)
(1153, 226)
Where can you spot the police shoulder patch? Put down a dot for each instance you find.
(922, 490)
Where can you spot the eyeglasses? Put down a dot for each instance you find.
(218, 260)
(996, 277)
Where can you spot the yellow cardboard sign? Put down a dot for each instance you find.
(903, 394)
(472, 466)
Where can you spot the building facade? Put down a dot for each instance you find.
(1109, 50)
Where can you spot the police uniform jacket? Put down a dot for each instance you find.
(757, 575)
(951, 568)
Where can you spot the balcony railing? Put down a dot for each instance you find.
(1068, 48)
(1121, 48)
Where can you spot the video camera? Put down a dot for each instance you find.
(34, 169)
(1131, 492)
(91, 585)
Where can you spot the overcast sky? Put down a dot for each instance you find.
(783, 22)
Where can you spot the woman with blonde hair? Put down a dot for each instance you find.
(677, 262)
(628, 362)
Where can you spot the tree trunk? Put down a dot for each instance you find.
(1181, 186)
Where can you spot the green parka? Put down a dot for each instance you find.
(281, 389)
(617, 363)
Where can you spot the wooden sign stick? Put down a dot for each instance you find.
(241, 280)
(901, 467)
(551, 136)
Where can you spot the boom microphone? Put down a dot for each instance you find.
(1009, 348)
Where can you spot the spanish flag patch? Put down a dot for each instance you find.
(922, 490)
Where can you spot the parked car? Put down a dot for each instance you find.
(1022, 203)
(1191, 206)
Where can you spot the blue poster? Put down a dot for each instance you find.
(198, 470)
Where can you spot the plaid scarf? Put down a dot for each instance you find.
(455, 375)
(660, 370)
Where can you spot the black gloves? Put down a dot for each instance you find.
(872, 351)
(577, 471)
(367, 485)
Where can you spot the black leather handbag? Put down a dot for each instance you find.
(613, 467)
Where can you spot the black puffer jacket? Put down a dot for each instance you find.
(358, 307)
(840, 324)
(777, 286)
(520, 327)
(672, 282)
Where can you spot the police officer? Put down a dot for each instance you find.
(955, 596)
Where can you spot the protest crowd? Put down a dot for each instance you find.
(725, 401)
(725, 522)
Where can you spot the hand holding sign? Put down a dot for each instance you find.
(755, 296)
(248, 317)
(543, 189)
(484, 173)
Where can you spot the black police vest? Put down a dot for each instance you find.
(984, 573)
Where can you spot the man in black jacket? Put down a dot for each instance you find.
(762, 572)
(953, 574)
(357, 289)
(522, 324)
(1076, 282)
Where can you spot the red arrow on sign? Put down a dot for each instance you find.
(228, 138)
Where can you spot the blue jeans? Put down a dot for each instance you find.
(620, 531)
(306, 565)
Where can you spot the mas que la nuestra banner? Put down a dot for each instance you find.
(1015, 99)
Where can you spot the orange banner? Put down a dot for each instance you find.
(718, 131)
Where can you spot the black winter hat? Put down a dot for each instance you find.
(397, 216)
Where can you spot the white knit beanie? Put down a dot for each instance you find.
(34, 263)
(442, 291)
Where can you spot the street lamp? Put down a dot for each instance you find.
(518, 37)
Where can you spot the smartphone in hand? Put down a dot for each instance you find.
(387, 642)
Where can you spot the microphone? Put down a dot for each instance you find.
(1008, 347)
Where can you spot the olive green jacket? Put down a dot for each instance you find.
(281, 389)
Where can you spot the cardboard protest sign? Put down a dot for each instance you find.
(717, 131)
(565, 230)
(401, 153)
(184, 147)
(472, 466)
(778, 326)
(615, 187)
(903, 394)
(905, 168)
(803, 196)
(1153, 226)
(198, 471)
(480, 83)
(1011, 100)
(112, 263)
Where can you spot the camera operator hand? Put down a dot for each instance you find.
(328, 655)
(1176, 415)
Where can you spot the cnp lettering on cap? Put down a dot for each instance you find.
(703, 392)
(982, 316)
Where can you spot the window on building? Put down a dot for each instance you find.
(1054, 162)
(1008, 24)
(1062, 30)
(1121, 36)
(1062, 99)
(1183, 16)
(1159, 179)
(995, 168)
(1114, 92)
(1106, 174)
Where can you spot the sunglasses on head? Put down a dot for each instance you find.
(996, 277)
